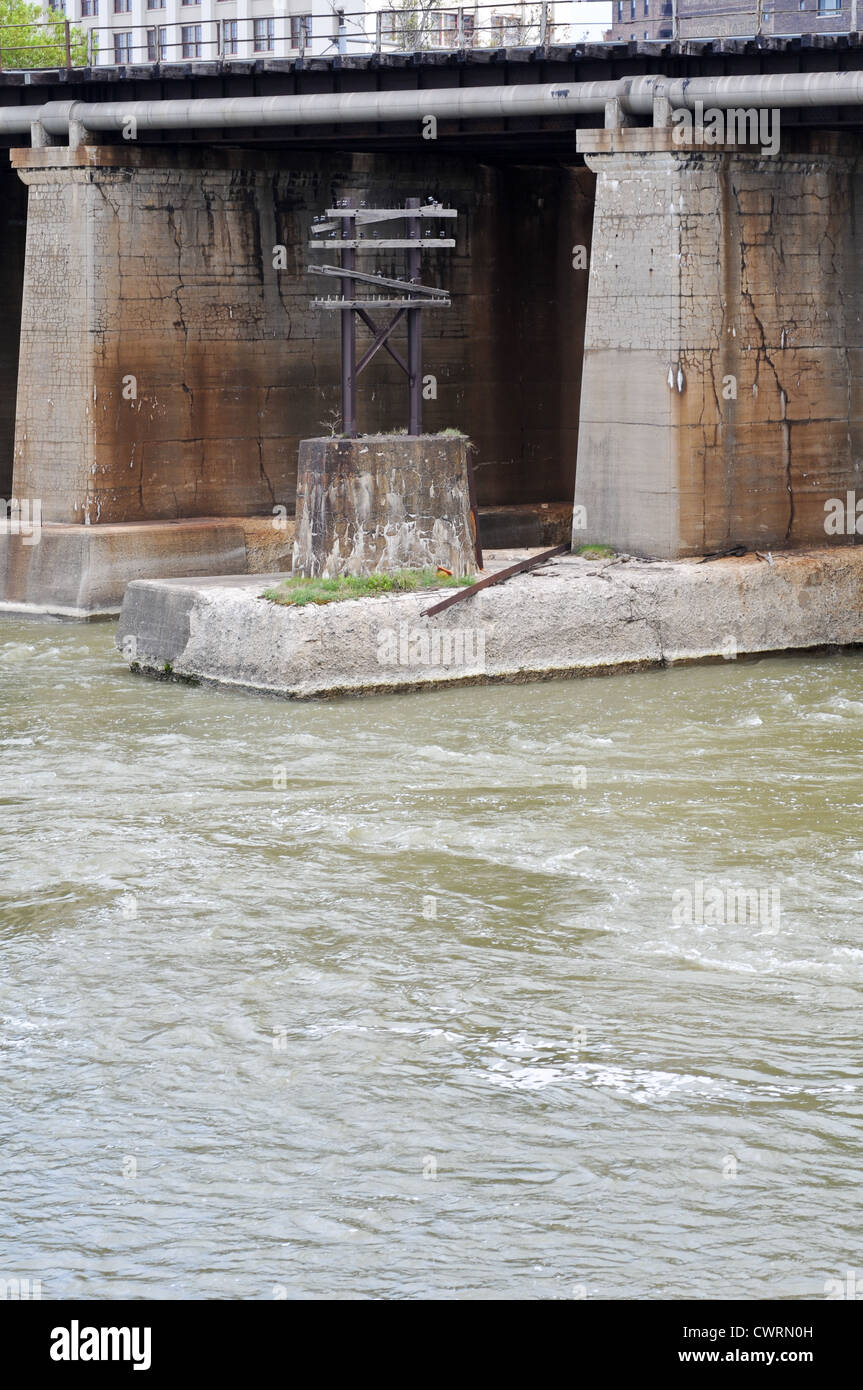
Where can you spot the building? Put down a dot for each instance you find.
(180, 31)
(663, 20)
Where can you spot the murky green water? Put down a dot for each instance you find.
(242, 1057)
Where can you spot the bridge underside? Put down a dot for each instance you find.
(705, 370)
(170, 361)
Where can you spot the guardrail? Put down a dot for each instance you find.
(61, 43)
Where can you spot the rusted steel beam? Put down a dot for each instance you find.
(388, 347)
(380, 340)
(521, 568)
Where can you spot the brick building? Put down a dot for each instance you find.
(655, 19)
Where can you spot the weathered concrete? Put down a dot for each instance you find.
(573, 617)
(722, 394)
(13, 222)
(539, 527)
(81, 572)
(383, 502)
(169, 370)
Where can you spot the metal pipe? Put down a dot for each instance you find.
(787, 89)
(318, 109)
(465, 103)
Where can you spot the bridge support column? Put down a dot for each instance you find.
(722, 394)
(151, 425)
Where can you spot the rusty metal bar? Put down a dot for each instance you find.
(414, 259)
(379, 342)
(388, 347)
(349, 347)
(521, 568)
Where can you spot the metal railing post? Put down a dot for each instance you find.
(543, 24)
(68, 38)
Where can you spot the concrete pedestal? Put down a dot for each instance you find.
(383, 502)
(721, 396)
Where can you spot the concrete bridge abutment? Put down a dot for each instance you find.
(722, 389)
(170, 360)
(149, 430)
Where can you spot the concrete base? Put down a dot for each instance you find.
(81, 572)
(383, 502)
(572, 617)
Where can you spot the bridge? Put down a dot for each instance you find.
(656, 296)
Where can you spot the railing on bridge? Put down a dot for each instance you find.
(431, 25)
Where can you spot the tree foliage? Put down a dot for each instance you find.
(33, 38)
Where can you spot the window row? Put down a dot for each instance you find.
(191, 43)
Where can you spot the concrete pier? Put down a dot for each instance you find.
(722, 394)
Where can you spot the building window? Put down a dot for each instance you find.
(265, 35)
(230, 42)
(632, 11)
(449, 28)
(122, 6)
(301, 30)
(123, 48)
(157, 44)
(620, 11)
(89, 7)
(190, 35)
(504, 28)
(646, 10)
(155, 4)
(825, 6)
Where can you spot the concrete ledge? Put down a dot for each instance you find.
(572, 617)
(81, 572)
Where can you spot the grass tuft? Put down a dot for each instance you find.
(595, 552)
(298, 592)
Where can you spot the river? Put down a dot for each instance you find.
(418, 996)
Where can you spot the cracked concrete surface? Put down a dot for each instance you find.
(572, 617)
(721, 396)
